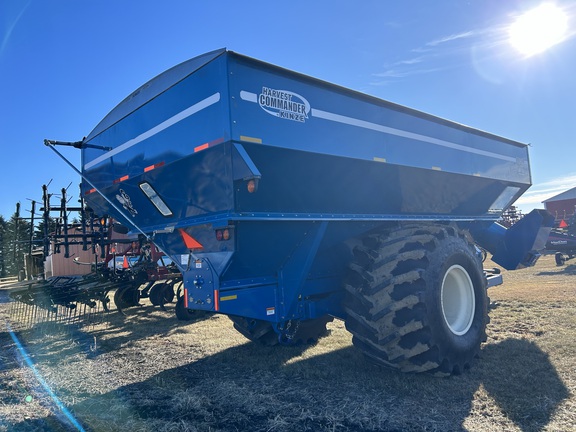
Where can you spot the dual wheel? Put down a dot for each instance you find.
(129, 295)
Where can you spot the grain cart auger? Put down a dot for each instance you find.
(286, 201)
(55, 289)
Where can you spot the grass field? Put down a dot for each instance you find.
(146, 371)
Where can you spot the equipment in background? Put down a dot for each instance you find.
(562, 240)
(83, 263)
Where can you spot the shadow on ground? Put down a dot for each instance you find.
(250, 387)
(569, 270)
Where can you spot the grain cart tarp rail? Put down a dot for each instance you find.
(286, 201)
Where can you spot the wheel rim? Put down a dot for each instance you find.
(458, 300)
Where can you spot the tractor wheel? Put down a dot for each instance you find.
(416, 299)
(184, 314)
(560, 259)
(307, 332)
(126, 297)
(161, 293)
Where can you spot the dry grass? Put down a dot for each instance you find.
(149, 372)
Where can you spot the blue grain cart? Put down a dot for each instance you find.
(286, 201)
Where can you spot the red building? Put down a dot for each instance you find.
(563, 205)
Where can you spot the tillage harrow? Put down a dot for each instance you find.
(109, 265)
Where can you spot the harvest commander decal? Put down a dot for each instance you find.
(284, 104)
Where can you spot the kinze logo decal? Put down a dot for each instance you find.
(284, 104)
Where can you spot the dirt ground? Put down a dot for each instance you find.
(147, 371)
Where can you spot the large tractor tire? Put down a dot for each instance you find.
(305, 332)
(416, 299)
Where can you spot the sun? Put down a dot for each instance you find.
(538, 29)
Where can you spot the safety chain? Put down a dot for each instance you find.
(286, 336)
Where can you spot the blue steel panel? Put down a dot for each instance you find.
(251, 302)
(319, 117)
(189, 115)
(297, 181)
(200, 184)
(153, 88)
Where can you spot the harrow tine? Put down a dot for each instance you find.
(69, 315)
(29, 316)
(17, 312)
(34, 317)
(12, 311)
(21, 313)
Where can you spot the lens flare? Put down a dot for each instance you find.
(539, 29)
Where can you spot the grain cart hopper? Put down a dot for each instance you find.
(286, 201)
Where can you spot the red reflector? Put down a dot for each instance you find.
(125, 264)
(563, 224)
(223, 234)
(216, 301)
(189, 241)
(88, 192)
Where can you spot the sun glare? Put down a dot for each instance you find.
(538, 29)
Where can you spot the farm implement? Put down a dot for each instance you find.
(285, 202)
(100, 262)
(562, 241)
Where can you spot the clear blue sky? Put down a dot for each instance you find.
(64, 64)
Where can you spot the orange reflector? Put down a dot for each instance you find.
(563, 224)
(201, 147)
(88, 192)
(121, 179)
(125, 264)
(151, 167)
(189, 241)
